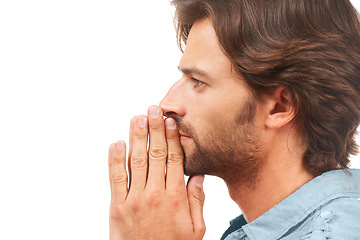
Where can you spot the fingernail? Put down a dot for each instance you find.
(154, 112)
(170, 123)
(200, 181)
(120, 146)
(142, 122)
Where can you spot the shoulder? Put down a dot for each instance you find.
(344, 217)
(336, 219)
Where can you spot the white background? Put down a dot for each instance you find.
(72, 74)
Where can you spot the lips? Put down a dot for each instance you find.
(184, 137)
(183, 134)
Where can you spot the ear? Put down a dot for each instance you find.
(280, 110)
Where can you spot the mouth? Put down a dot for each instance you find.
(184, 137)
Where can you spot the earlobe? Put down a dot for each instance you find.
(280, 108)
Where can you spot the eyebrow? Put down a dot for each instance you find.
(193, 71)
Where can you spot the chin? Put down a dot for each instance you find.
(193, 164)
(193, 168)
(188, 170)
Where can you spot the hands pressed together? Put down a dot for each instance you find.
(152, 201)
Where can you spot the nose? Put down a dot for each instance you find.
(174, 102)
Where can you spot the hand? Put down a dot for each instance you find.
(155, 205)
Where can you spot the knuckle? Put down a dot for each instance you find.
(140, 133)
(155, 125)
(198, 199)
(138, 162)
(175, 197)
(157, 152)
(172, 136)
(117, 157)
(175, 194)
(135, 207)
(119, 178)
(154, 197)
(175, 158)
(117, 211)
(135, 203)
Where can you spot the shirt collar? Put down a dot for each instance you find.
(294, 209)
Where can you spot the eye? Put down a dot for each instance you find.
(198, 83)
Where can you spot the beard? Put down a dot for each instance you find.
(230, 150)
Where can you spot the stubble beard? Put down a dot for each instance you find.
(230, 151)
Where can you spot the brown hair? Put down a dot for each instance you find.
(311, 47)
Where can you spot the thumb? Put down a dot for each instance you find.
(196, 197)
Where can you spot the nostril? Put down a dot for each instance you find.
(170, 114)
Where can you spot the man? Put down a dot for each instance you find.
(269, 102)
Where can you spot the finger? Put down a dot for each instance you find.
(132, 122)
(117, 172)
(175, 165)
(196, 199)
(157, 148)
(138, 159)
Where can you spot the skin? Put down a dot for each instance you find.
(213, 112)
(153, 199)
(210, 109)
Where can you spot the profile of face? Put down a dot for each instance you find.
(215, 110)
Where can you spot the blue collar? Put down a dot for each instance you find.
(294, 209)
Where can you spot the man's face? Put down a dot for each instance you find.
(214, 109)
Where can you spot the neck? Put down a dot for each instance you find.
(279, 175)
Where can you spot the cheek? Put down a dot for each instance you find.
(210, 127)
(215, 112)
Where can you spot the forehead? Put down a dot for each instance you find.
(203, 49)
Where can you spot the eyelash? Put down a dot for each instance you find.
(198, 83)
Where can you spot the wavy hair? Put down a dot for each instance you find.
(311, 47)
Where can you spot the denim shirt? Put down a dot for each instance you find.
(327, 207)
